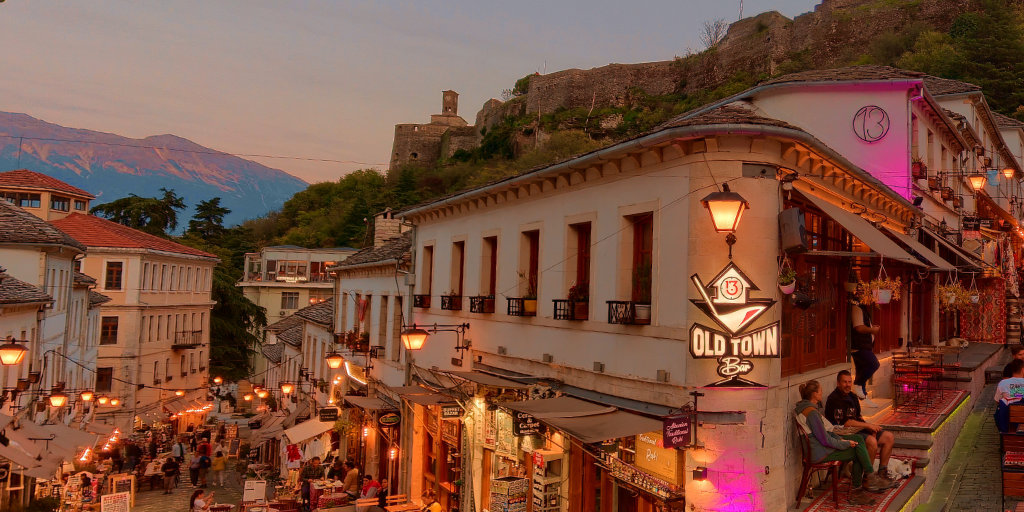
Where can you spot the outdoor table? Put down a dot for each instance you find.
(402, 508)
(222, 507)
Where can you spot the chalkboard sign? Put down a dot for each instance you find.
(123, 482)
(231, 431)
(525, 425)
(328, 414)
(233, 447)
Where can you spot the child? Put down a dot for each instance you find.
(1009, 392)
(219, 464)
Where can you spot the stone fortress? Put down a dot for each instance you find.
(762, 45)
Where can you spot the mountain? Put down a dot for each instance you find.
(111, 166)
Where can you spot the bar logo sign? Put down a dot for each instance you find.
(726, 300)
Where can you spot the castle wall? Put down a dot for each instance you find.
(416, 143)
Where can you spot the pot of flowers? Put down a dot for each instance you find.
(918, 169)
(947, 193)
(933, 183)
(787, 280)
(579, 299)
(530, 297)
(885, 289)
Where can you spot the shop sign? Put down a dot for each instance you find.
(390, 419)
(726, 300)
(451, 412)
(118, 502)
(676, 431)
(972, 224)
(505, 440)
(328, 414)
(986, 223)
(450, 432)
(653, 457)
(525, 425)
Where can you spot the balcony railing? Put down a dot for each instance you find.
(421, 301)
(519, 306)
(625, 312)
(451, 302)
(187, 339)
(481, 304)
(568, 310)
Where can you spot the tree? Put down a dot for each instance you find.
(154, 215)
(208, 221)
(713, 32)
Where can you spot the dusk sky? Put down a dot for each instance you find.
(314, 79)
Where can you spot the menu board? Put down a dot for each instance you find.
(123, 482)
(255, 490)
(117, 502)
(231, 431)
(233, 447)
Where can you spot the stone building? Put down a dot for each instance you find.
(445, 134)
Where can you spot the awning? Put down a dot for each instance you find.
(590, 423)
(370, 403)
(962, 254)
(431, 399)
(307, 430)
(919, 248)
(410, 390)
(270, 428)
(864, 232)
(487, 379)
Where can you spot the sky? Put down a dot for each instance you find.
(323, 80)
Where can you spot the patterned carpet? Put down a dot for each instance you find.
(824, 502)
(927, 410)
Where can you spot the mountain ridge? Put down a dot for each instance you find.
(112, 166)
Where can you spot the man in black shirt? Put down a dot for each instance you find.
(843, 409)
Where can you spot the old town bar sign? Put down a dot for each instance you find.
(726, 300)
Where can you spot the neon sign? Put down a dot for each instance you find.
(726, 300)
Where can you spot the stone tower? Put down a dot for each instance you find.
(449, 103)
(437, 140)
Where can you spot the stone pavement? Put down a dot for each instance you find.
(157, 501)
(971, 479)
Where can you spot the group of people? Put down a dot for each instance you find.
(351, 484)
(1010, 390)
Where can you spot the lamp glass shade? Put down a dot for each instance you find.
(414, 338)
(262, 393)
(1008, 172)
(12, 353)
(217, 380)
(287, 388)
(86, 396)
(247, 397)
(726, 209)
(115, 402)
(103, 400)
(334, 360)
(977, 181)
(179, 392)
(58, 399)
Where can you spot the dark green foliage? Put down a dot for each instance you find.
(522, 85)
(154, 215)
(208, 221)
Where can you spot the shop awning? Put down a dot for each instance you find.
(961, 253)
(428, 400)
(590, 423)
(271, 427)
(864, 232)
(937, 262)
(370, 403)
(487, 379)
(410, 390)
(307, 430)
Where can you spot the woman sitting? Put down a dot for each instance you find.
(200, 502)
(826, 446)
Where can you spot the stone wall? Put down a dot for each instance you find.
(416, 143)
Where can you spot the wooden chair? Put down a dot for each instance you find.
(397, 499)
(810, 466)
(365, 502)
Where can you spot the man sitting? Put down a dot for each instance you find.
(843, 409)
(1009, 392)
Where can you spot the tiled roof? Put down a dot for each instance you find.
(292, 336)
(321, 313)
(392, 249)
(1007, 122)
(284, 324)
(81, 278)
(847, 74)
(94, 231)
(19, 226)
(24, 178)
(942, 86)
(15, 291)
(733, 113)
(273, 352)
(97, 298)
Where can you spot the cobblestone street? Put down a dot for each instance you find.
(157, 501)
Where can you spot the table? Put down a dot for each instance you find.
(222, 507)
(402, 508)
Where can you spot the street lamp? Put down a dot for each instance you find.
(217, 380)
(11, 353)
(87, 396)
(977, 181)
(58, 399)
(262, 393)
(180, 392)
(335, 360)
(726, 209)
(114, 402)
(103, 400)
(287, 388)
(1008, 173)
(247, 397)
(414, 338)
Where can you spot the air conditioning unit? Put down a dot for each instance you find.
(282, 313)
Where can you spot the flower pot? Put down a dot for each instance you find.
(919, 170)
(580, 310)
(788, 288)
(530, 307)
(950, 298)
(850, 287)
(642, 313)
(489, 305)
(975, 298)
(882, 295)
(947, 194)
(933, 183)
(958, 202)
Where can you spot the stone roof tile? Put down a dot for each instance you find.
(273, 352)
(85, 279)
(392, 249)
(16, 291)
(97, 298)
(1007, 122)
(321, 313)
(18, 226)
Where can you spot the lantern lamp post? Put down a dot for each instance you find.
(726, 209)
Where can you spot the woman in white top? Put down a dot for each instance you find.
(200, 502)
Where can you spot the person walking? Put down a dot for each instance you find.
(133, 454)
(865, 362)
(170, 470)
(218, 466)
(193, 469)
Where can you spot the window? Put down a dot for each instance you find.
(192, 362)
(22, 200)
(291, 271)
(79, 205)
(530, 263)
(289, 300)
(145, 328)
(458, 265)
(182, 367)
(581, 241)
(317, 296)
(643, 261)
(60, 203)
(104, 379)
(318, 271)
(490, 267)
(108, 330)
(113, 275)
(156, 372)
(173, 284)
(167, 368)
(426, 285)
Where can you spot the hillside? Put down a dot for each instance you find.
(112, 166)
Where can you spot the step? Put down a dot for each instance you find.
(906, 443)
(872, 414)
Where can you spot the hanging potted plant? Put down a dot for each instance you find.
(973, 295)
(787, 280)
(958, 202)
(579, 300)
(952, 296)
(933, 183)
(918, 169)
(885, 289)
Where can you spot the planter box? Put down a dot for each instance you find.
(568, 310)
(481, 304)
(947, 194)
(451, 302)
(918, 170)
(518, 306)
(421, 301)
(933, 183)
(625, 312)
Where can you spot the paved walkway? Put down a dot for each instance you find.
(971, 479)
(157, 501)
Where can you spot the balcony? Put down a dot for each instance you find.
(627, 312)
(519, 306)
(570, 310)
(451, 302)
(187, 340)
(481, 304)
(421, 301)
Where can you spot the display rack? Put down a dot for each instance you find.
(509, 494)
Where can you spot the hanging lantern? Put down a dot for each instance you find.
(115, 402)
(180, 392)
(334, 360)
(287, 388)
(977, 181)
(12, 353)
(414, 338)
(393, 453)
(262, 393)
(103, 400)
(247, 397)
(726, 209)
(86, 396)
(217, 380)
(58, 399)
(1008, 173)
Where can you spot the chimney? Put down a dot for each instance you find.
(385, 227)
